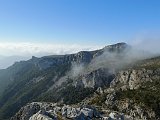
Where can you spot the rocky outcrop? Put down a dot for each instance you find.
(119, 47)
(129, 79)
(132, 79)
(41, 116)
(95, 79)
(50, 111)
(111, 100)
(128, 107)
(26, 112)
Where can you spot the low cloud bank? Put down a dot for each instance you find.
(40, 49)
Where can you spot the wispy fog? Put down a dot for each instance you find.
(147, 43)
(138, 50)
(77, 69)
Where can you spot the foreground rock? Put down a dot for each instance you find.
(50, 111)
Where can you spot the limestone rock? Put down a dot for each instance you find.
(132, 79)
(88, 112)
(110, 99)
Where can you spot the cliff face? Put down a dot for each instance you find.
(132, 79)
(100, 79)
(95, 79)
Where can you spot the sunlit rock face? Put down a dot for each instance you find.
(95, 79)
(132, 79)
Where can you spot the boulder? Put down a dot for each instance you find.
(88, 112)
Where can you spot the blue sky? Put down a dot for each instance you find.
(96, 22)
(47, 27)
(44, 27)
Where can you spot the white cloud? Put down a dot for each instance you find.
(40, 49)
(17, 51)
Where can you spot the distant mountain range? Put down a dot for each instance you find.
(6, 61)
(110, 81)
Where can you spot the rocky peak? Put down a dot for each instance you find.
(116, 47)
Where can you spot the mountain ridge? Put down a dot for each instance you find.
(70, 76)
